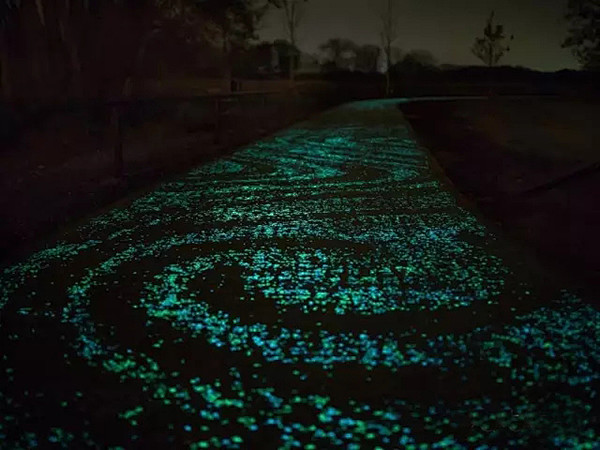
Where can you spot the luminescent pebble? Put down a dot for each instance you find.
(320, 288)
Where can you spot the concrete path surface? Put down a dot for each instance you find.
(320, 288)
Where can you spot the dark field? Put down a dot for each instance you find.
(530, 164)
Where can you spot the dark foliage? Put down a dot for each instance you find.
(491, 47)
(584, 32)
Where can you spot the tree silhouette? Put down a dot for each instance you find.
(491, 47)
(584, 32)
(367, 58)
(415, 61)
(293, 13)
(100, 47)
(340, 53)
(389, 33)
(234, 23)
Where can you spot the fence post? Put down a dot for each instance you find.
(117, 126)
(217, 137)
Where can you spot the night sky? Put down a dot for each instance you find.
(446, 28)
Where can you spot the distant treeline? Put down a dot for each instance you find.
(468, 74)
(471, 80)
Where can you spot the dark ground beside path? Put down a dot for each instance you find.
(496, 151)
(61, 169)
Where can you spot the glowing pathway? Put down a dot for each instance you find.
(317, 289)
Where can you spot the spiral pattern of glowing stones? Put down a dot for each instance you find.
(319, 288)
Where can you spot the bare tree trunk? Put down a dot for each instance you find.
(39, 6)
(5, 67)
(388, 84)
(293, 56)
(38, 57)
(388, 36)
(292, 29)
(66, 34)
(293, 15)
(228, 71)
(76, 71)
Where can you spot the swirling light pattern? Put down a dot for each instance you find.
(319, 288)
